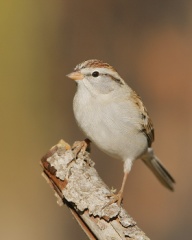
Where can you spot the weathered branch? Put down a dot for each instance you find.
(72, 175)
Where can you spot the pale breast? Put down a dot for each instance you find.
(112, 126)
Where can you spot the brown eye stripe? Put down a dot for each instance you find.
(94, 63)
(116, 79)
(112, 77)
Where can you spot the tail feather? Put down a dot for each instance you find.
(159, 170)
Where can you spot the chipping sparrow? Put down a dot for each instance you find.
(113, 117)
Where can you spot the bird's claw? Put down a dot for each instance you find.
(81, 146)
(115, 198)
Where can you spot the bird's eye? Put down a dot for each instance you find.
(95, 74)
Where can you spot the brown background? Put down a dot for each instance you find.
(150, 44)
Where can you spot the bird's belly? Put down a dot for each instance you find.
(118, 145)
(114, 136)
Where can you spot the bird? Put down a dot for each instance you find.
(114, 118)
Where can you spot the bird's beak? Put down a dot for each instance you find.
(75, 76)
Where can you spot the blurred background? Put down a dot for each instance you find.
(150, 45)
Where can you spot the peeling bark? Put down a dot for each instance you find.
(71, 173)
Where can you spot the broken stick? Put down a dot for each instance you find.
(72, 175)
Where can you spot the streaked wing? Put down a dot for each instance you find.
(146, 123)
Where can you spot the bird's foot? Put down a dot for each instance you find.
(115, 198)
(81, 146)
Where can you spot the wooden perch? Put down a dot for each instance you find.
(72, 175)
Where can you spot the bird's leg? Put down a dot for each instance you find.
(122, 188)
(119, 196)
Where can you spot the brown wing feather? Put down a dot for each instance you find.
(146, 123)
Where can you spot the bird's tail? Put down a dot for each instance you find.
(158, 169)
